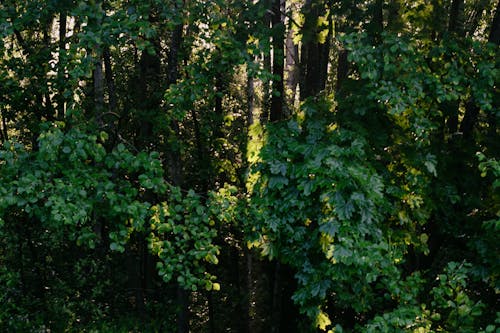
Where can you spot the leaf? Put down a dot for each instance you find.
(322, 321)
(277, 182)
(117, 247)
(430, 164)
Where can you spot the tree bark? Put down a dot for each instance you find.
(98, 88)
(292, 56)
(3, 130)
(456, 22)
(494, 36)
(309, 61)
(250, 98)
(175, 166)
(266, 87)
(278, 28)
(110, 82)
(342, 68)
(183, 313)
(277, 297)
(394, 21)
(471, 108)
(60, 65)
(314, 52)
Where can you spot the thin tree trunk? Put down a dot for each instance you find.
(324, 51)
(61, 63)
(342, 68)
(494, 37)
(98, 88)
(183, 313)
(266, 87)
(249, 290)
(211, 314)
(277, 96)
(250, 98)
(110, 82)
(394, 21)
(175, 159)
(376, 26)
(456, 22)
(292, 56)
(438, 25)
(456, 29)
(4, 131)
(309, 61)
(276, 299)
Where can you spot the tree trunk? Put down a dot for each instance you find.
(249, 301)
(394, 21)
(494, 36)
(471, 108)
(98, 88)
(250, 98)
(314, 52)
(61, 63)
(175, 166)
(110, 82)
(342, 68)
(3, 130)
(456, 22)
(264, 115)
(475, 17)
(183, 312)
(292, 56)
(277, 297)
(278, 27)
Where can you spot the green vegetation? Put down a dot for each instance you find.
(249, 166)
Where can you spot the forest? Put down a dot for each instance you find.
(249, 166)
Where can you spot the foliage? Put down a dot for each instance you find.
(332, 162)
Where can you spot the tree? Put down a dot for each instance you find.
(156, 165)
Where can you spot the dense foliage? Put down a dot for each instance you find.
(262, 166)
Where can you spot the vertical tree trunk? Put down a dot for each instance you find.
(494, 36)
(183, 314)
(475, 17)
(277, 298)
(61, 63)
(471, 108)
(110, 82)
(250, 98)
(342, 68)
(211, 314)
(292, 56)
(309, 80)
(98, 88)
(4, 130)
(175, 166)
(249, 301)
(324, 50)
(456, 22)
(278, 27)
(376, 26)
(266, 63)
(455, 29)
(394, 21)
(176, 162)
(314, 52)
